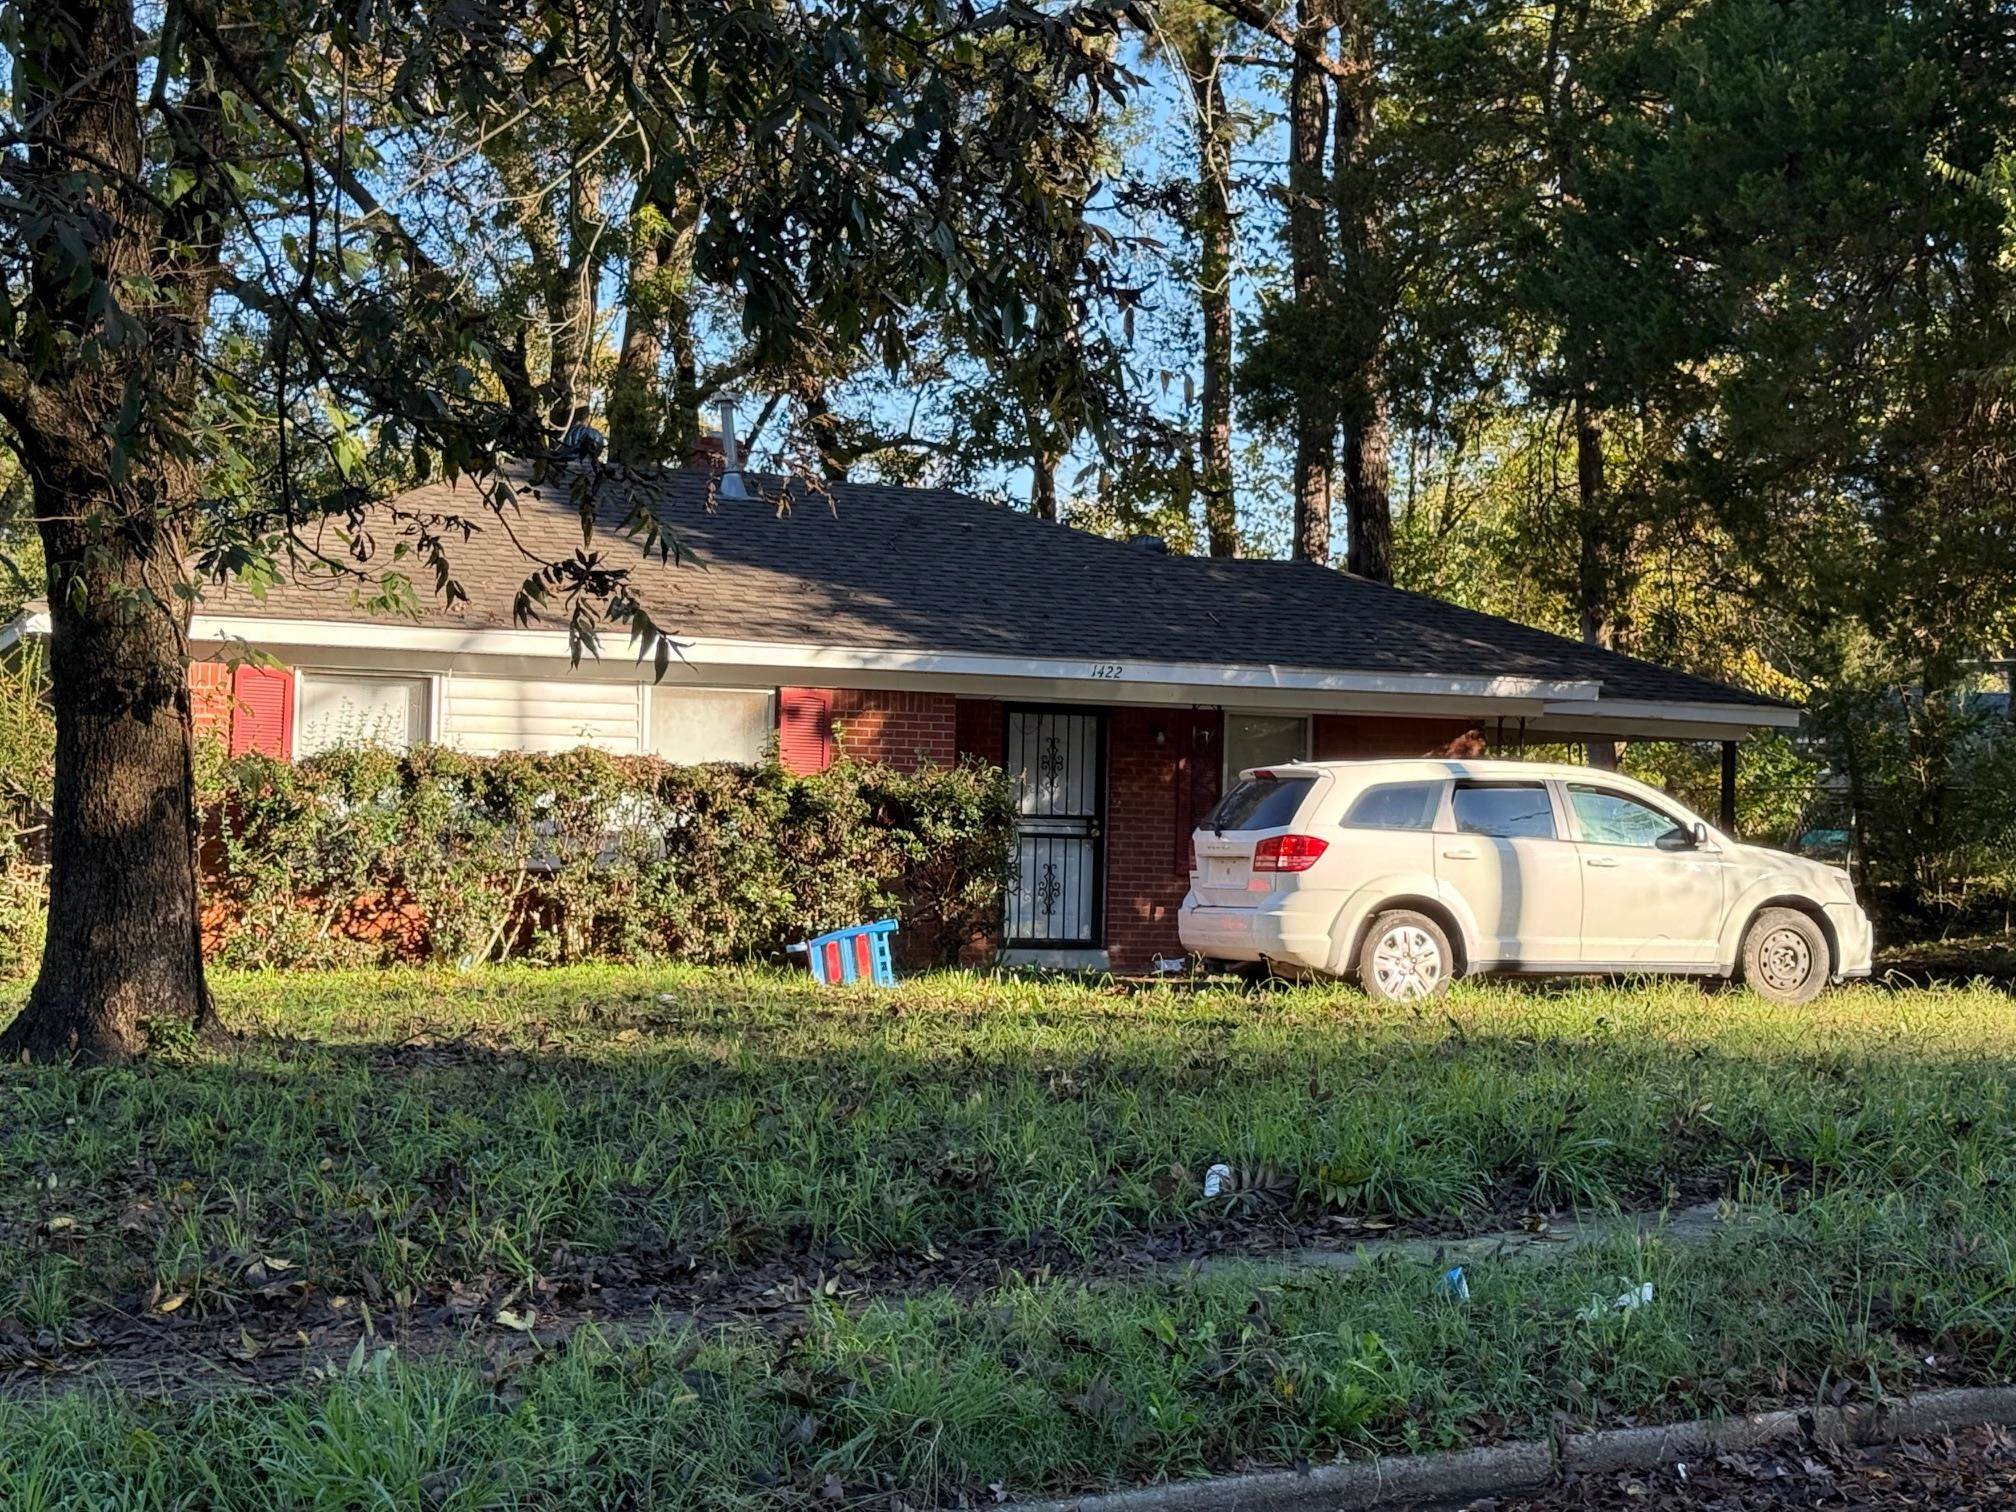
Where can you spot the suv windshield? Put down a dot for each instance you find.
(1262, 801)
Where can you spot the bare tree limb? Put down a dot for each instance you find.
(1271, 24)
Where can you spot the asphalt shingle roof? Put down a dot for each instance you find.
(927, 569)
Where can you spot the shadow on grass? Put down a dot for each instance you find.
(695, 1143)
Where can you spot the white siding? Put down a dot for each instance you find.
(485, 715)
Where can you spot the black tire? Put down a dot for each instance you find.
(1420, 962)
(1786, 958)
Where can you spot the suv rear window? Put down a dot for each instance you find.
(1260, 802)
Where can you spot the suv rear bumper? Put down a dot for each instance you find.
(1292, 929)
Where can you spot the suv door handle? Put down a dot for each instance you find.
(1464, 854)
(1602, 861)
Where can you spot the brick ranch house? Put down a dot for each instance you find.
(1117, 684)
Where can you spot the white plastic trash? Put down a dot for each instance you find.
(1637, 1297)
(1217, 1179)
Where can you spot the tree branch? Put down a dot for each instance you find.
(1270, 24)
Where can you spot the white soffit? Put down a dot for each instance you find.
(1566, 706)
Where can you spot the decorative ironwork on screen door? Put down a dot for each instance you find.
(1053, 764)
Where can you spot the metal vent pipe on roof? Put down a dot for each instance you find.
(731, 453)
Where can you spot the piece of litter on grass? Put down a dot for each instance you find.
(1216, 1179)
(1628, 1301)
(1454, 1284)
(1169, 965)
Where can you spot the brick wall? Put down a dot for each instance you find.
(902, 730)
(210, 698)
(980, 728)
(1156, 792)
(1341, 737)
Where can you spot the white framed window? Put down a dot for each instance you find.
(1258, 740)
(692, 725)
(356, 708)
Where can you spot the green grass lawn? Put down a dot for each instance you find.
(424, 1146)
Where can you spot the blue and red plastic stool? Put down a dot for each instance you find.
(859, 953)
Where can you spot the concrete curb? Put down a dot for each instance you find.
(1443, 1479)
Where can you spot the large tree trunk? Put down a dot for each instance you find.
(636, 399)
(1309, 269)
(124, 945)
(683, 424)
(823, 428)
(574, 309)
(1368, 518)
(112, 487)
(1042, 483)
(1214, 298)
(1368, 509)
(1595, 603)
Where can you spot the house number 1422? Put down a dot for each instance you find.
(1107, 671)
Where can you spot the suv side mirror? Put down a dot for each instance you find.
(1684, 837)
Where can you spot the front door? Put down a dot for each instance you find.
(1650, 894)
(1053, 763)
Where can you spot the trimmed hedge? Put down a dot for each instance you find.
(361, 856)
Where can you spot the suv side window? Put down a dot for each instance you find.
(1504, 810)
(1395, 806)
(1606, 817)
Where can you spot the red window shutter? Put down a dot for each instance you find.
(805, 729)
(263, 719)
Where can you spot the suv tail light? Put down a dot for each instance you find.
(1289, 853)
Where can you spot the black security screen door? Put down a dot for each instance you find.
(1053, 762)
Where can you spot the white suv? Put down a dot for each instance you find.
(1406, 874)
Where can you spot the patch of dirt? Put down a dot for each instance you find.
(273, 1325)
(1974, 1471)
(1956, 962)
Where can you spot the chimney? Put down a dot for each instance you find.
(706, 453)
